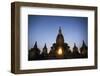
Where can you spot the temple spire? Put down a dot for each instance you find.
(74, 44)
(35, 45)
(60, 31)
(60, 38)
(83, 43)
(45, 46)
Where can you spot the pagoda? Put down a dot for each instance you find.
(60, 49)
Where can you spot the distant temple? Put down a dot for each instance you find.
(59, 50)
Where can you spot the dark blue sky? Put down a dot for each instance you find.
(44, 29)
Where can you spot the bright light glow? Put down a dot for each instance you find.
(60, 51)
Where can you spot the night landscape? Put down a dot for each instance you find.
(57, 37)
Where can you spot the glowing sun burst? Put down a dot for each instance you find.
(60, 51)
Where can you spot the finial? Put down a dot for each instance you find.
(45, 46)
(35, 45)
(84, 43)
(74, 44)
(60, 30)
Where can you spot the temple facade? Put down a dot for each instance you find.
(60, 49)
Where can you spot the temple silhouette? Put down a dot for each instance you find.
(59, 50)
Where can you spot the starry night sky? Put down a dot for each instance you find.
(44, 29)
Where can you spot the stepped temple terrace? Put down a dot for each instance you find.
(59, 50)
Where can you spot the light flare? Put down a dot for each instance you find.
(60, 51)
